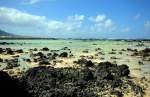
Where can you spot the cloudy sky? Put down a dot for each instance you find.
(76, 18)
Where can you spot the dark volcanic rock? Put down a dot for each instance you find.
(19, 51)
(144, 53)
(44, 62)
(117, 93)
(51, 82)
(85, 51)
(80, 82)
(45, 49)
(63, 54)
(11, 65)
(10, 87)
(87, 74)
(1, 60)
(6, 43)
(85, 62)
(9, 51)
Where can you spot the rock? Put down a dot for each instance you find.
(109, 71)
(49, 54)
(63, 54)
(85, 51)
(79, 82)
(44, 62)
(6, 43)
(124, 70)
(11, 65)
(98, 49)
(132, 50)
(112, 52)
(83, 61)
(9, 51)
(19, 51)
(1, 50)
(123, 50)
(89, 63)
(87, 74)
(65, 48)
(117, 93)
(35, 49)
(45, 49)
(28, 60)
(52, 82)
(137, 89)
(10, 87)
(40, 54)
(120, 53)
(1, 60)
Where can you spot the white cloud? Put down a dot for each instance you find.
(31, 1)
(98, 18)
(14, 20)
(76, 17)
(147, 26)
(21, 20)
(13, 17)
(72, 23)
(108, 24)
(127, 29)
(137, 16)
(102, 24)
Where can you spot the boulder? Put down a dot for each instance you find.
(63, 54)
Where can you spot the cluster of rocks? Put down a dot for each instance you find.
(145, 53)
(10, 51)
(44, 58)
(84, 62)
(10, 63)
(6, 43)
(105, 79)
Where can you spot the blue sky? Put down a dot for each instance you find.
(76, 18)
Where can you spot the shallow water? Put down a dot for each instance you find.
(77, 46)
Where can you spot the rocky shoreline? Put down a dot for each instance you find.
(60, 73)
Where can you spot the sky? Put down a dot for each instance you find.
(111, 19)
